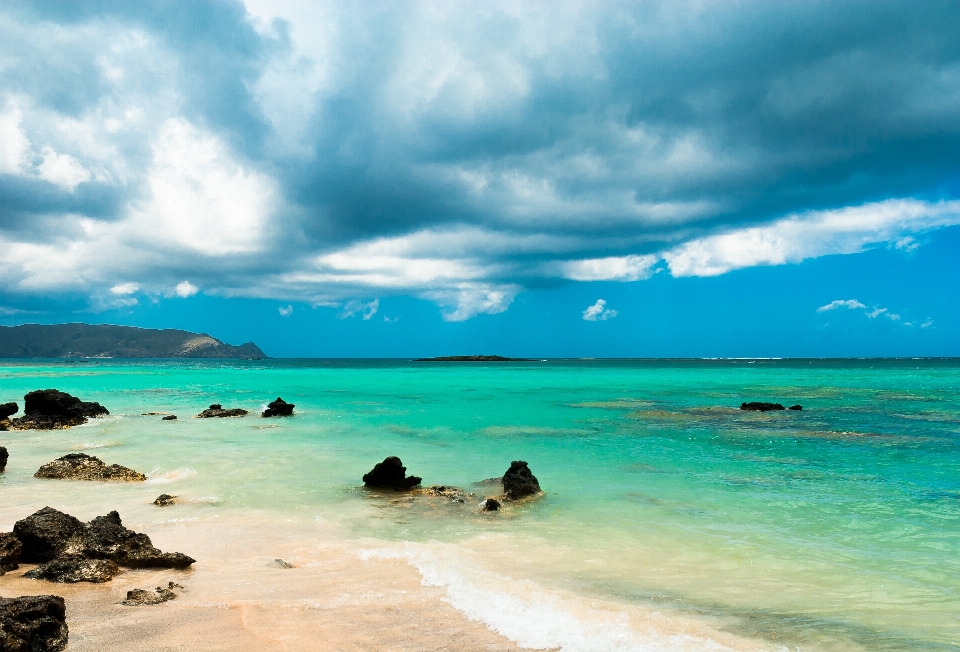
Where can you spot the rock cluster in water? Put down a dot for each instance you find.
(4, 456)
(71, 551)
(278, 408)
(50, 409)
(216, 410)
(757, 406)
(391, 474)
(80, 466)
(35, 623)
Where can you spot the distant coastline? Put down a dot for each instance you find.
(108, 341)
(472, 358)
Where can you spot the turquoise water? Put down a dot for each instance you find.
(833, 528)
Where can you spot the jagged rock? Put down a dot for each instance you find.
(47, 534)
(164, 499)
(216, 410)
(4, 425)
(49, 409)
(106, 538)
(7, 410)
(35, 623)
(519, 481)
(795, 407)
(138, 597)
(80, 466)
(390, 474)
(491, 505)
(169, 417)
(10, 548)
(760, 407)
(4, 456)
(70, 569)
(278, 408)
(453, 493)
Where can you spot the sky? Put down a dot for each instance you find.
(555, 179)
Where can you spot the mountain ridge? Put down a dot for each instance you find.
(78, 340)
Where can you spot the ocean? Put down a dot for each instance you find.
(670, 520)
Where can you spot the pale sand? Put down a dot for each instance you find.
(342, 594)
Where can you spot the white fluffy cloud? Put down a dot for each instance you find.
(13, 142)
(599, 312)
(124, 288)
(366, 310)
(62, 169)
(852, 304)
(285, 311)
(873, 313)
(818, 233)
(185, 289)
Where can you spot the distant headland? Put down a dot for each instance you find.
(105, 341)
(472, 358)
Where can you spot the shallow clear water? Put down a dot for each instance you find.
(833, 528)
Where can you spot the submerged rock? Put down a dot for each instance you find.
(47, 534)
(73, 568)
(49, 409)
(138, 597)
(278, 408)
(7, 410)
(10, 548)
(442, 491)
(35, 623)
(490, 505)
(80, 466)
(795, 407)
(4, 456)
(519, 481)
(216, 410)
(760, 407)
(169, 417)
(391, 474)
(279, 563)
(50, 535)
(165, 499)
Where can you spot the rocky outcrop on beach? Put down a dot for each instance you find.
(4, 456)
(7, 410)
(278, 408)
(216, 410)
(80, 466)
(70, 569)
(139, 597)
(164, 499)
(10, 548)
(51, 409)
(34, 623)
(69, 549)
(391, 474)
(757, 406)
(519, 481)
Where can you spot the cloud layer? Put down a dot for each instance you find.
(336, 152)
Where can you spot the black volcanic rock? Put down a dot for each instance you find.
(80, 466)
(46, 534)
(795, 407)
(49, 409)
(278, 408)
(35, 623)
(49, 534)
(519, 481)
(391, 474)
(4, 456)
(7, 410)
(70, 569)
(169, 417)
(472, 358)
(10, 548)
(164, 500)
(760, 407)
(107, 538)
(216, 411)
(491, 505)
(106, 341)
(138, 597)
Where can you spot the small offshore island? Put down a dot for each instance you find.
(472, 358)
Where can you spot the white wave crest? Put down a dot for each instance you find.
(155, 477)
